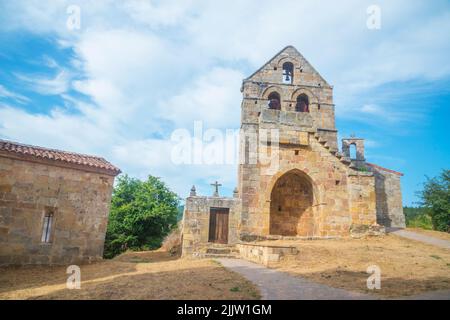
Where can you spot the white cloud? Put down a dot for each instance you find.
(163, 14)
(150, 67)
(44, 85)
(210, 98)
(5, 93)
(57, 130)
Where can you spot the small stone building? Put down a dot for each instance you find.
(54, 205)
(293, 181)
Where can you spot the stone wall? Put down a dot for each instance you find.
(306, 80)
(195, 224)
(266, 254)
(362, 198)
(389, 204)
(80, 204)
(341, 196)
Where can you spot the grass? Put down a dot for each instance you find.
(133, 275)
(407, 267)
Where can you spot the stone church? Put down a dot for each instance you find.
(54, 205)
(309, 188)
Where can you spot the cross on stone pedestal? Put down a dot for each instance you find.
(216, 190)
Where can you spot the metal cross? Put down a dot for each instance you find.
(216, 190)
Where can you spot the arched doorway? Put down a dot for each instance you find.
(291, 205)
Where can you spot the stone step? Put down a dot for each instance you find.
(218, 250)
(217, 255)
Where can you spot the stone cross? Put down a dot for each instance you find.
(216, 190)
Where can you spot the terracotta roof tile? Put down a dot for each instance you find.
(384, 169)
(40, 153)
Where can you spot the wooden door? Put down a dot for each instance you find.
(218, 225)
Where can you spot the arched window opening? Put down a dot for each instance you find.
(302, 103)
(352, 149)
(274, 101)
(288, 72)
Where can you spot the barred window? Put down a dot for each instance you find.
(47, 226)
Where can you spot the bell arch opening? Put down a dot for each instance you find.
(291, 202)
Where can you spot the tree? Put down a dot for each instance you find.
(142, 214)
(436, 197)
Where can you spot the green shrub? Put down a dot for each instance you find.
(436, 197)
(420, 221)
(142, 214)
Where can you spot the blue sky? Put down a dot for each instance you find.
(136, 71)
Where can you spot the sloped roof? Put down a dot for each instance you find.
(384, 169)
(278, 54)
(57, 157)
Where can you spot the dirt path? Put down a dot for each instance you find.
(277, 285)
(420, 237)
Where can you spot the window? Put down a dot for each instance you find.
(47, 226)
(302, 103)
(352, 151)
(288, 72)
(274, 101)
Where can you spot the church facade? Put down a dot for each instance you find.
(293, 181)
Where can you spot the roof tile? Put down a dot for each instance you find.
(91, 162)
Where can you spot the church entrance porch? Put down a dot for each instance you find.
(291, 206)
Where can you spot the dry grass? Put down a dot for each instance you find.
(407, 267)
(140, 275)
(431, 233)
(172, 242)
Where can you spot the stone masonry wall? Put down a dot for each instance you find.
(341, 196)
(80, 201)
(362, 199)
(196, 222)
(389, 204)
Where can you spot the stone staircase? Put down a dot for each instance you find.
(221, 251)
(341, 157)
(265, 253)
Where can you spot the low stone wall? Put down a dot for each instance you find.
(265, 254)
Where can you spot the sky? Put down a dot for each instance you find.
(117, 78)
